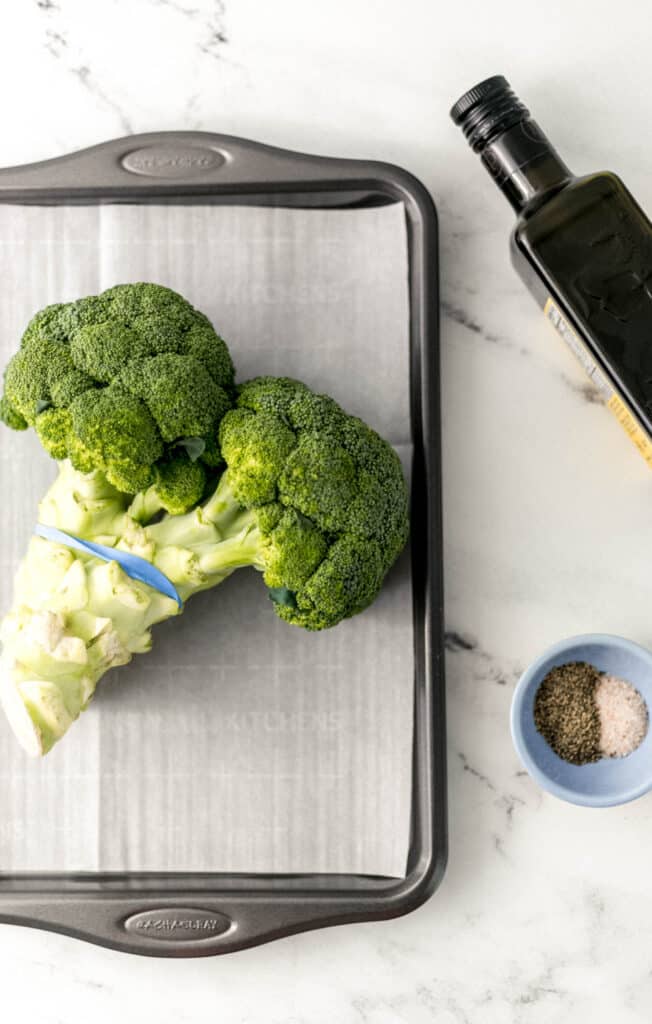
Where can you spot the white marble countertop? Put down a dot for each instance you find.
(544, 912)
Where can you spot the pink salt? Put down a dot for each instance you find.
(623, 716)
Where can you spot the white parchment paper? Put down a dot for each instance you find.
(240, 743)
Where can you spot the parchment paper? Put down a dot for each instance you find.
(240, 743)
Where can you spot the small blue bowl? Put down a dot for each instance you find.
(612, 780)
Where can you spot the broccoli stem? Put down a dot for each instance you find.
(76, 616)
(241, 549)
(85, 505)
(196, 550)
(221, 535)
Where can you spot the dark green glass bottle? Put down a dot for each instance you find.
(583, 246)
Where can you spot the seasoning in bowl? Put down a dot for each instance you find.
(566, 713)
(585, 714)
(623, 716)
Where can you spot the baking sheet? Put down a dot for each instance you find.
(240, 743)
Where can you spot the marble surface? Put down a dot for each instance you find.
(544, 910)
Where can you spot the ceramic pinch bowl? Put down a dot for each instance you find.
(612, 780)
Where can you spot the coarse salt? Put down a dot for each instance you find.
(623, 716)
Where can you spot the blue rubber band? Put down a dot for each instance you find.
(136, 567)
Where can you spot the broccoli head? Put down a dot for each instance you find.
(311, 496)
(132, 382)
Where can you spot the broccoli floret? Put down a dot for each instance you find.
(26, 380)
(11, 416)
(256, 447)
(179, 484)
(116, 381)
(54, 427)
(103, 350)
(293, 547)
(199, 341)
(180, 394)
(311, 496)
(320, 478)
(116, 427)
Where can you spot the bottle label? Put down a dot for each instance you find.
(610, 396)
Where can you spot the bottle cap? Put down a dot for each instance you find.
(487, 110)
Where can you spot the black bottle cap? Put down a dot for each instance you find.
(487, 110)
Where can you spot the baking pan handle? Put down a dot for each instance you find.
(209, 924)
(177, 164)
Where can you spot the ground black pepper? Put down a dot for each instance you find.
(566, 714)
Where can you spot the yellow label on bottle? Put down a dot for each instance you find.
(629, 423)
(627, 419)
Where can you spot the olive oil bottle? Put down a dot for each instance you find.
(583, 246)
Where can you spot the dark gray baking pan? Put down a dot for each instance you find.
(184, 915)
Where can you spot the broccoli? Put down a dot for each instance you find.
(311, 497)
(132, 382)
(316, 498)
